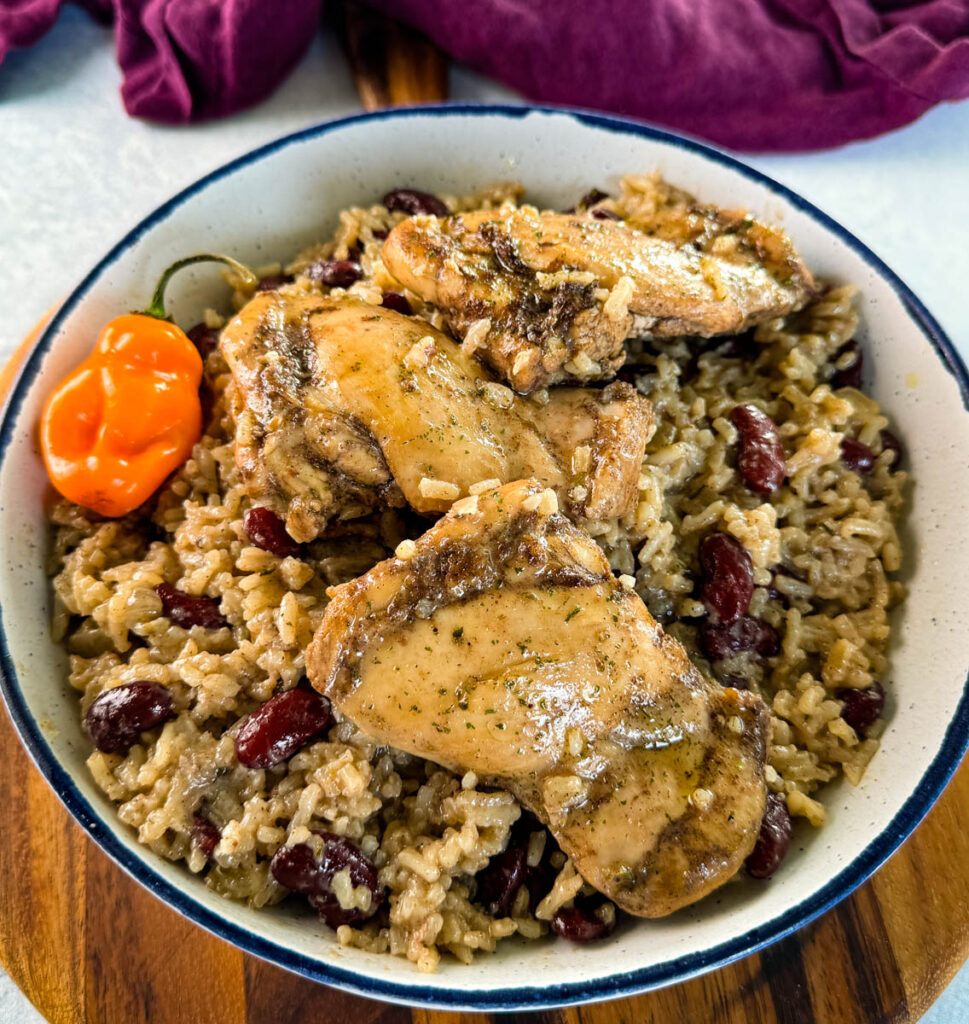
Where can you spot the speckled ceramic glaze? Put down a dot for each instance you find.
(265, 206)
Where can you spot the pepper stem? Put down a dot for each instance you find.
(156, 307)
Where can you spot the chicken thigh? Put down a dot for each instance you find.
(343, 407)
(499, 642)
(549, 297)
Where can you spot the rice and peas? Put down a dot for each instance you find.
(824, 549)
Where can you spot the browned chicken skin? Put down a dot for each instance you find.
(342, 407)
(499, 642)
(549, 297)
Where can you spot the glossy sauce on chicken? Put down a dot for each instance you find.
(501, 643)
(342, 407)
(550, 297)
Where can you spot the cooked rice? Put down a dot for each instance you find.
(427, 830)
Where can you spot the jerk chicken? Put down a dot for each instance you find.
(543, 298)
(500, 643)
(343, 407)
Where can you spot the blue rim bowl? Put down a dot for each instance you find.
(621, 983)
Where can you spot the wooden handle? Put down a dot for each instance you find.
(392, 65)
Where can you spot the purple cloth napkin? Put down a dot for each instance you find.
(185, 60)
(750, 74)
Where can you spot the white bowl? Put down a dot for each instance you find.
(266, 205)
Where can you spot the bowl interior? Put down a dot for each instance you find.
(264, 208)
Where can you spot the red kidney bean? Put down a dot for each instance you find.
(593, 196)
(335, 273)
(538, 878)
(631, 372)
(728, 577)
(850, 375)
(204, 338)
(397, 302)
(862, 708)
(735, 682)
(501, 879)
(207, 399)
(281, 727)
(273, 281)
(204, 833)
(585, 921)
(773, 841)
(187, 611)
(297, 868)
(760, 460)
(413, 201)
(339, 854)
(266, 530)
(602, 214)
(743, 634)
(117, 717)
(890, 443)
(742, 346)
(856, 455)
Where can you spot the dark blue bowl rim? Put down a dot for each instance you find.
(622, 983)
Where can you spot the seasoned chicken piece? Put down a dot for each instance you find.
(500, 643)
(601, 435)
(342, 407)
(548, 297)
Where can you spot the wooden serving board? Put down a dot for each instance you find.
(88, 944)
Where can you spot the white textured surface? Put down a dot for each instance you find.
(14, 1008)
(75, 172)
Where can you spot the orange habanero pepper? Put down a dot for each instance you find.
(114, 429)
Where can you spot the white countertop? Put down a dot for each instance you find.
(76, 173)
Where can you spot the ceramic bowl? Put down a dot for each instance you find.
(266, 205)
